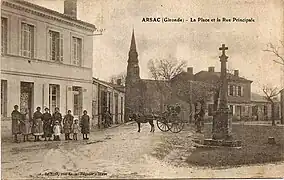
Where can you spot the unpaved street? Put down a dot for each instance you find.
(119, 152)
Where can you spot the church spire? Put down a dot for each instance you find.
(133, 44)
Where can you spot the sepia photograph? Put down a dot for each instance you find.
(141, 89)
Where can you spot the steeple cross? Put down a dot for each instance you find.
(223, 49)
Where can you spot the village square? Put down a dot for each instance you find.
(60, 119)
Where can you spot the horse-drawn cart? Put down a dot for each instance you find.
(170, 120)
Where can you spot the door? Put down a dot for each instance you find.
(26, 97)
(116, 108)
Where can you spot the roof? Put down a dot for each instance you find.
(184, 76)
(29, 6)
(205, 75)
(115, 86)
(258, 98)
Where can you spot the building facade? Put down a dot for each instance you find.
(239, 91)
(108, 96)
(47, 59)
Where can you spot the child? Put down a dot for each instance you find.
(76, 129)
(56, 130)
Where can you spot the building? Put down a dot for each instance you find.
(282, 106)
(262, 109)
(47, 59)
(146, 96)
(108, 96)
(239, 90)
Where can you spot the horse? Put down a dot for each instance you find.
(144, 119)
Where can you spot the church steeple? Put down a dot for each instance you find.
(133, 44)
(133, 55)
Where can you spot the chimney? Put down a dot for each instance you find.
(70, 8)
(190, 70)
(118, 81)
(236, 72)
(211, 69)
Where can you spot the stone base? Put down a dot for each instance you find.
(227, 143)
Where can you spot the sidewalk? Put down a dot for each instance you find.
(6, 136)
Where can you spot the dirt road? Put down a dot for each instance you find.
(116, 153)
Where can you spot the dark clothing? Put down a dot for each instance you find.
(47, 124)
(37, 129)
(56, 117)
(178, 109)
(67, 123)
(85, 124)
(16, 118)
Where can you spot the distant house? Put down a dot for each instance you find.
(108, 96)
(261, 108)
(239, 90)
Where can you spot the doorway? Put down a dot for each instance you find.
(26, 97)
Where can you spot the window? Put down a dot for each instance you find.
(4, 35)
(231, 90)
(76, 51)
(210, 109)
(77, 101)
(27, 40)
(54, 96)
(3, 98)
(55, 46)
(239, 91)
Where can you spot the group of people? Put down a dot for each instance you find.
(46, 125)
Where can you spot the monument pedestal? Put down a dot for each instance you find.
(222, 126)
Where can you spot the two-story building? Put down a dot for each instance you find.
(47, 58)
(110, 97)
(239, 90)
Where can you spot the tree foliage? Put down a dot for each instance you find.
(114, 78)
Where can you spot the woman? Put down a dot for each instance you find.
(26, 125)
(37, 124)
(47, 125)
(67, 125)
(85, 125)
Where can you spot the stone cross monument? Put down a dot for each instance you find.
(222, 129)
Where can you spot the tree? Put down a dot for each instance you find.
(275, 50)
(162, 71)
(271, 94)
(114, 78)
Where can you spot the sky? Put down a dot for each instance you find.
(195, 43)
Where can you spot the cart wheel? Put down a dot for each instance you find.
(162, 126)
(176, 125)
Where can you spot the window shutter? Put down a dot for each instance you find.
(242, 91)
(49, 51)
(228, 90)
(61, 47)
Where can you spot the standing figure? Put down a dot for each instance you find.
(75, 129)
(85, 125)
(56, 116)
(26, 125)
(37, 124)
(199, 114)
(56, 131)
(47, 125)
(16, 118)
(67, 124)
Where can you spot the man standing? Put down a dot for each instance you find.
(16, 118)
